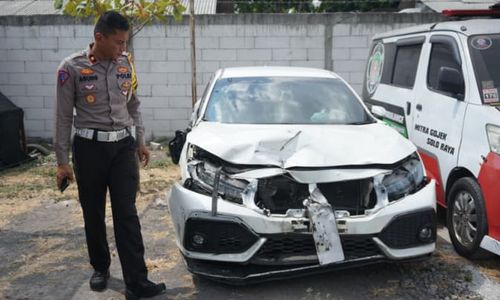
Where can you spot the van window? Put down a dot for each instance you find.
(484, 51)
(405, 65)
(389, 55)
(440, 57)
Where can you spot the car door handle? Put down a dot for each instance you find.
(408, 108)
(419, 107)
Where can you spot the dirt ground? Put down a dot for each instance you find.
(44, 256)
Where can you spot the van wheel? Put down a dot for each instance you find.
(466, 218)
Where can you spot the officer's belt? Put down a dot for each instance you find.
(102, 136)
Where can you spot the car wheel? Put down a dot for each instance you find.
(466, 218)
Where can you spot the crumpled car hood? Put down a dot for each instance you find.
(288, 146)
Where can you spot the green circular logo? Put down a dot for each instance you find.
(375, 67)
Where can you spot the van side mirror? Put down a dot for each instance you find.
(451, 81)
(378, 111)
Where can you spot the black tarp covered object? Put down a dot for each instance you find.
(12, 139)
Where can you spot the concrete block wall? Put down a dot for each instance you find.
(163, 61)
(31, 49)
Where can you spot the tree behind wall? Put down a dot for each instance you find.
(138, 13)
(311, 6)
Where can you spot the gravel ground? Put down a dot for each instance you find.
(44, 256)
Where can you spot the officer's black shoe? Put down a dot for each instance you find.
(99, 280)
(145, 289)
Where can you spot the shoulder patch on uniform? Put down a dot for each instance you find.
(62, 77)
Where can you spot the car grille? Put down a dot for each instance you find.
(354, 196)
(280, 193)
(297, 248)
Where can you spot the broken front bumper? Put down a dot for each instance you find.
(239, 244)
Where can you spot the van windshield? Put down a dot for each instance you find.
(484, 51)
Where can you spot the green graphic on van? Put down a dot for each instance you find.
(399, 127)
(375, 67)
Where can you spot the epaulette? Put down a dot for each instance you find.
(77, 55)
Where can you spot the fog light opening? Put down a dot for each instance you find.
(425, 234)
(198, 240)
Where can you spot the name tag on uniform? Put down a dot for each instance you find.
(123, 76)
(88, 78)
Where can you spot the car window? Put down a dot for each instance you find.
(405, 65)
(284, 100)
(440, 57)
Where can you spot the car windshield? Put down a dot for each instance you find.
(484, 51)
(284, 100)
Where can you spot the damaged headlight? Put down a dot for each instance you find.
(406, 179)
(203, 176)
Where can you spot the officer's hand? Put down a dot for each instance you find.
(64, 171)
(143, 153)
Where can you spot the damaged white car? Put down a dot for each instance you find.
(285, 172)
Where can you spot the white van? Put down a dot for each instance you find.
(437, 85)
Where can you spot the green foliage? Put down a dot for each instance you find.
(311, 6)
(139, 13)
(359, 5)
(275, 6)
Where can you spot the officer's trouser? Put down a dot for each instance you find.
(99, 166)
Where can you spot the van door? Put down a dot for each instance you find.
(390, 79)
(440, 108)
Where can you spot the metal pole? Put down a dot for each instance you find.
(193, 53)
(215, 192)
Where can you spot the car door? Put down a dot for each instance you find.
(439, 109)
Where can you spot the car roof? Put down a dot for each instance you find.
(274, 71)
(467, 27)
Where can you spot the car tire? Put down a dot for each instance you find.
(466, 218)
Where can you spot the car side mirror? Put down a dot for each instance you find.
(378, 111)
(451, 81)
(176, 144)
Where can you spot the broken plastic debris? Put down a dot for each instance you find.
(324, 226)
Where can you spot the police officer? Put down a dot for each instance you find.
(99, 84)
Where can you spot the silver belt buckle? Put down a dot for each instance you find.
(84, 133)
(113, 136)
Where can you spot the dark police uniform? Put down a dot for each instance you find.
(99, 97)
